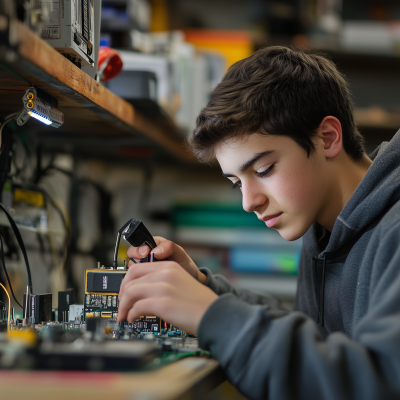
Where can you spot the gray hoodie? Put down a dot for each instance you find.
(343, 339)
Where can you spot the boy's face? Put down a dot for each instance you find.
(279, 183)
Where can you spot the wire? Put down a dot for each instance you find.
(6, 121)
(5, 270)
(9, 308)
(14, 114)
(17, 234)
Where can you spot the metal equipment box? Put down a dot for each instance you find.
(70, 28)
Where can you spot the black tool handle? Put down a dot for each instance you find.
(137, 235)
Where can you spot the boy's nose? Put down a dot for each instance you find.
(252, 199)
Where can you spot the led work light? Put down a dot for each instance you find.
(39, 105)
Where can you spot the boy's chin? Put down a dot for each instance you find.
(291, 234)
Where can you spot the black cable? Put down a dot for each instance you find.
(40, 171)
(6, 151)
(9, 118)
(43, 250)
(5, 270)
(17, 234)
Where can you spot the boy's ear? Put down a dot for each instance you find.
(330, 132)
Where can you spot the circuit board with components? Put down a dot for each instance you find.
(101, 299)
(98, 345)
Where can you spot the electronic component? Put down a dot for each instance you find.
(35, 13)
(104, 281)
(146, 80)
(64, 301)
(38, 307)
(41, 106)
(100, 344)
(71, 30)
(75, 311)
(28, 203)
(111, 355)
(3, 313)
(106, 314)
(101, 287)
(135, 86)
(92, 70)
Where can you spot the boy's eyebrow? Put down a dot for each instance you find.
(250, 162)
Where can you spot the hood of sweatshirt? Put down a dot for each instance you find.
(377, 191)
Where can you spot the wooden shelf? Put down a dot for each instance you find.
(89, 108)
(92, 111)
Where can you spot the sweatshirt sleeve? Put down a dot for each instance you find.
(219, 285)
(285, 357)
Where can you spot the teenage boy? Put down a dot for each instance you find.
(281, 126)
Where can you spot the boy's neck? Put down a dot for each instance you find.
(346, 175)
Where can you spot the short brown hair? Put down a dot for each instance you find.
(277, 91)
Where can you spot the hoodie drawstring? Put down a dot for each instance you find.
(323, 291)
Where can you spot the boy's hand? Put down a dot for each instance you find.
(167, 249)
(164, 289)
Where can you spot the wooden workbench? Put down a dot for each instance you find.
(186, 379)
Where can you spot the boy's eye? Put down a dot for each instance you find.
(265, 173)
(236, 184)
(261, 174)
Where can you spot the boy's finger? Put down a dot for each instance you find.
(138, 252)
(139, 291)
(143, 307)
(137, 271)
(142, 251)
(164, 249)
(170, 250)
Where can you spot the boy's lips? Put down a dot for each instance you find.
(271, 220)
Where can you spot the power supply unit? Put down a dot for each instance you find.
(71, 29)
